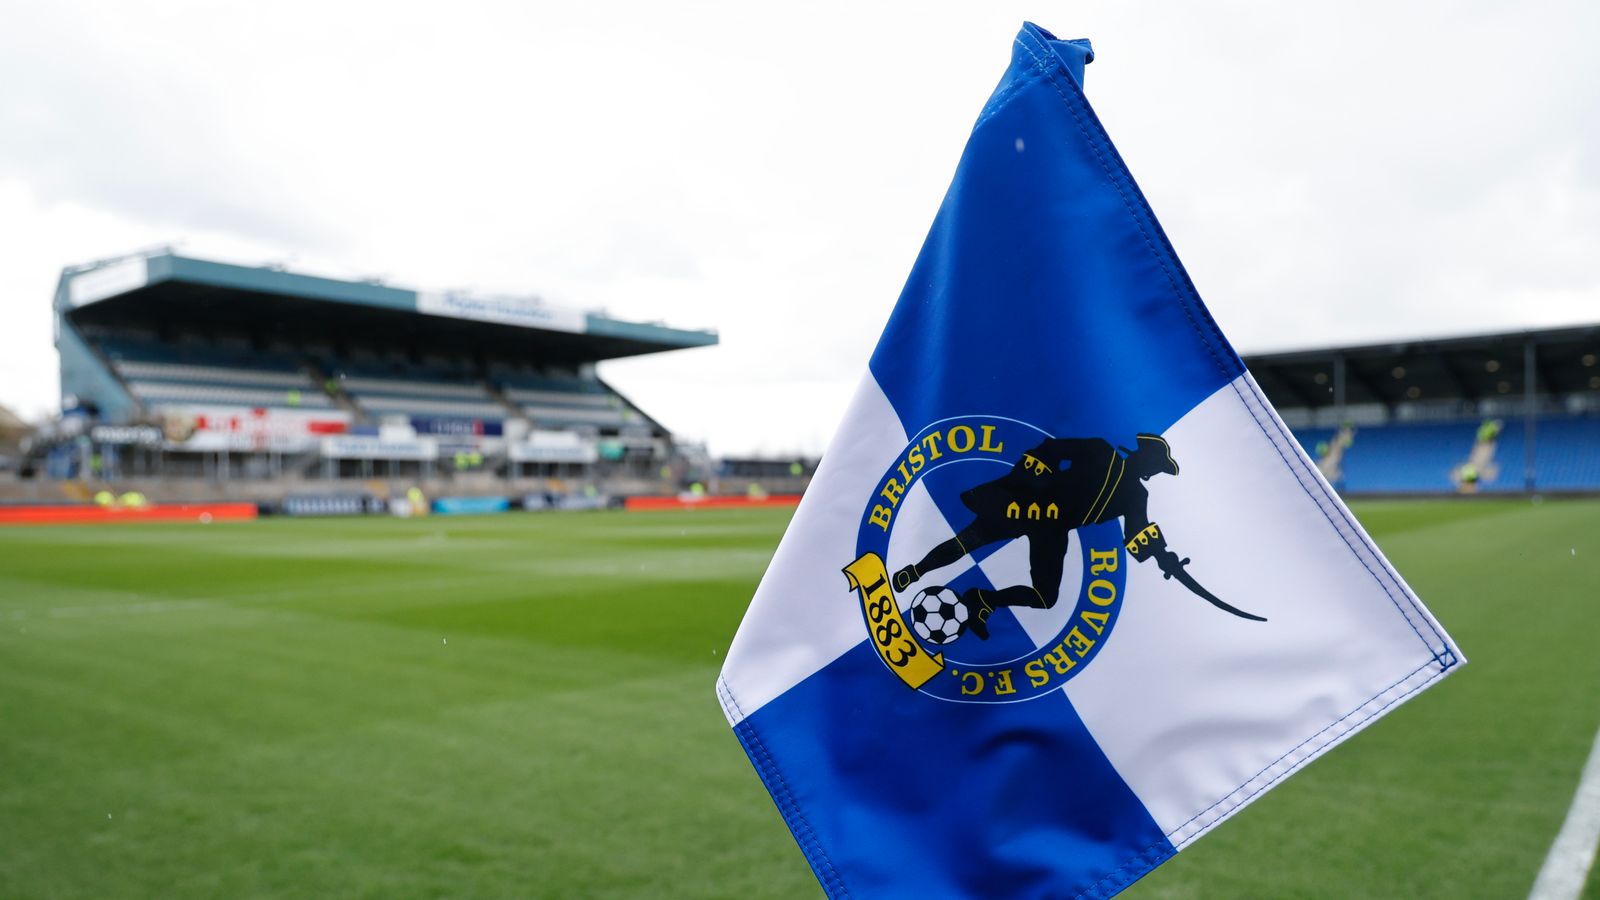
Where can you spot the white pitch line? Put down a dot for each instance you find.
(1573, 852)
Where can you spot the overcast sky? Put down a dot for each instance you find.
(1352, 171)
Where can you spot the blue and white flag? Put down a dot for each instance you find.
(1064, 593)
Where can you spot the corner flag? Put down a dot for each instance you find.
(1064, 593)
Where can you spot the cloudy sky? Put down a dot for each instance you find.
(1338, 172)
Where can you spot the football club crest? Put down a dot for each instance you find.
(991, 563)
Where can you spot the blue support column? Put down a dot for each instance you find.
(1529, 413)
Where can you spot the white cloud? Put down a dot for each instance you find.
(1363, 172)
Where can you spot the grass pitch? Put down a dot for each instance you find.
(521, 706)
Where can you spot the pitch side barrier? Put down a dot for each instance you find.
(345, 504)
(353, 505)
(99, 515)
(1536, 495)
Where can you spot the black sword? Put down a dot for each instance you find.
(1187, 580)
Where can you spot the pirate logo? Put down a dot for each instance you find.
(1019, 496)
(178, 427)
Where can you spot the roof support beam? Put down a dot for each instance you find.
(1530, 374)
(1338, 388)
(1542, 370)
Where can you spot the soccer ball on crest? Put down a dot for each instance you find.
(938, 616)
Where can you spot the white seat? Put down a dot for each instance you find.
(400, 387)
(429, 406)
(155, 391)
(586, 416)
(562, 398)
(212, 374)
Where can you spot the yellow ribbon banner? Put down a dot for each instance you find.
(890, 634)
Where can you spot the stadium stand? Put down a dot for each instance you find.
(175, 368)
(195, 380)
(189, 371)
(1315, 440)
(568, 400)
(417, 394)
(1498, 413)
(1569, 454)
(1406, 458)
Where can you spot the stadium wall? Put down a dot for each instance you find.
(80, 514)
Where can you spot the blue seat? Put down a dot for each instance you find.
(1407, 457)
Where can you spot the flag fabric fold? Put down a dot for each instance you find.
(1064, 593)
